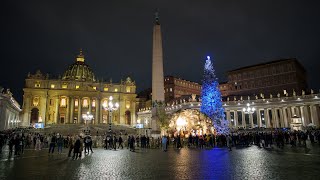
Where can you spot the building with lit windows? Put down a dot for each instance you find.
(279, 76)
(175, 88)
(66, 99)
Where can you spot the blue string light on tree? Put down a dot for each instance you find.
(211, 104)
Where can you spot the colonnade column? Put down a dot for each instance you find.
(71, 110)
(56, 110)
(259, 118)
(302, 116)
(79, 110)
(267, 118)
(229, 118)
(314, 115)
(235, 119)
(251, 120)
(243, 120)
(96, 121)
(90, 109)
(285, 117)
(281, 119)
(67, 111)
(306, 115)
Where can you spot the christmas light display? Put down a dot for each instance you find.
(211, 104)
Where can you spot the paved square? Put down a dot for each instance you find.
(218, 163)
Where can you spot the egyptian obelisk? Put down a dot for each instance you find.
(157, 75)
(157, 63)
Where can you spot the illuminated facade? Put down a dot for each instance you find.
(65, 99)
(9, 110)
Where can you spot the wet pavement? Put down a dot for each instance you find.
(218, 163)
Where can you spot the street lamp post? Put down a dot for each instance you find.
(249, 110)
(87, 117)
(111, 107)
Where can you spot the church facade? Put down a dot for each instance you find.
(65, 100)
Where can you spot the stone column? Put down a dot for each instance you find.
(281, 118)
(251, 120)
(67, 111)
(90, 109)
(101, 111)
(243, 120)
(56, 113)
(79, 110)
(229, 118)
(267, 119)
(314, 115)
(71, 110)
(277, 124)
(97, 117)
(236, 119)
(306, 115)
(302, 116)
(285, 117)
(259, 123)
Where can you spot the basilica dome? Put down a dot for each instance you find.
(79, 71)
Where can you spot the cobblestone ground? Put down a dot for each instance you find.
(186, 163)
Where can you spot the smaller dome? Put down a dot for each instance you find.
(79, 71)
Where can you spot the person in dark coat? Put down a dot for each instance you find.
(76, 148)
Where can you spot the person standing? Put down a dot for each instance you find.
(114, 142)
(60, 144)
(52, 143)
(90, 144)
(120, 142)
(70, 145)
(164, 143)
(76, 149)
(132, 141)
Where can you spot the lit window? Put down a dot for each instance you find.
(93, 103)
(85, 103)
(76, 103)
(105, 89)
(128, 89)
(95, 88)
(52, 86)
(63, 102)
(64, 86)
(115, 90)
(37, 84)
(170, 89)
(105, 103)
(77, 86)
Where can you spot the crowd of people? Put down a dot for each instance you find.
(18, 140)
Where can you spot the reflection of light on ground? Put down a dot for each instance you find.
(257, 161)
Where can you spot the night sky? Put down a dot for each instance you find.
(116, 37)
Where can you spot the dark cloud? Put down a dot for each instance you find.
(117, 37)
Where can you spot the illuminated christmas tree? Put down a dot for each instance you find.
(211, 104)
